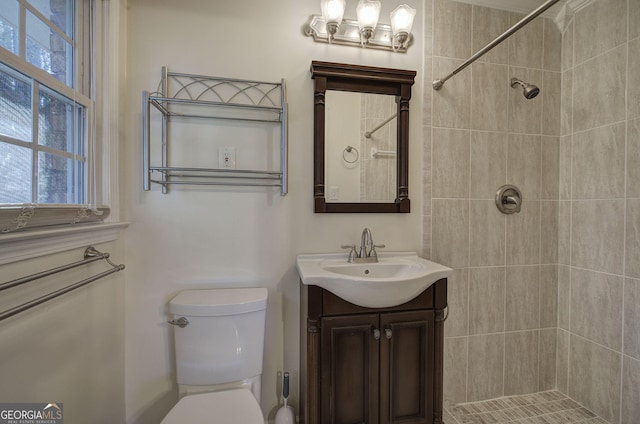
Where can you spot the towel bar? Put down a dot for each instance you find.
(90, 255)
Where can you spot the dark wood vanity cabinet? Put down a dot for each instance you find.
(370, 365)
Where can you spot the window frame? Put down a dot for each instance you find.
(42, 82)
(104, 56)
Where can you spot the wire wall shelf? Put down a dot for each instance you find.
(198, 96)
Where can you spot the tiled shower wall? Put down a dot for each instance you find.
(480, 134)
(377, 172)
(599, 212)
(549, 297)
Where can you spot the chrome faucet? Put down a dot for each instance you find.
(366, 244)
(367, 249)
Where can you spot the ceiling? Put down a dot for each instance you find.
(520, 6)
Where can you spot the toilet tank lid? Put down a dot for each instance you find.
(218, 302)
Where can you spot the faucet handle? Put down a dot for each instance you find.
(373, 249)
(352, 251)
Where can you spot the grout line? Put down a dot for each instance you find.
(608, 199)
(575, 64)
(540, 183)
(508, 146)
(498, 333)
(538, 328)
(602, 126)
(595, 271)
(503, 332)
(597, 344)
(468, 272)
(557, 336)
(624, 215)
(570, 138)
(468, 335)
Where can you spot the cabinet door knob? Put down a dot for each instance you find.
(376, 334)
(388, 333)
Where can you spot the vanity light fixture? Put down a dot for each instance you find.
(331, 27)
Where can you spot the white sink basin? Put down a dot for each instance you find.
(395, 279)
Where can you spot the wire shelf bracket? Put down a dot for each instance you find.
(200, 96)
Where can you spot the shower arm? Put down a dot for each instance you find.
(437, 84)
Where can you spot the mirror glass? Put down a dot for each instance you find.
(360, 138)
(360, 147)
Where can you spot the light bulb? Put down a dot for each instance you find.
(402, 19)
(401, 23)
(332, 10)
(368, 12)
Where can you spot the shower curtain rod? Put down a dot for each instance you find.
(437, 84)
(368, 134)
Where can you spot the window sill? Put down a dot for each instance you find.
(19, 246)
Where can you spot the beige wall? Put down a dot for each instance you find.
(342, 168)
(599, 213)
(70, 349)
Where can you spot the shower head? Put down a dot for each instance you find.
(529, 91)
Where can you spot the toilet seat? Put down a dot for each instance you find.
(225, 407)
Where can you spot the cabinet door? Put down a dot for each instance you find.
(406, 367)
(349, 369)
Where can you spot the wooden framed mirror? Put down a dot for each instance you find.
(355, 170)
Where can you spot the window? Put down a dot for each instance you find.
(42, 144)
(45, 110)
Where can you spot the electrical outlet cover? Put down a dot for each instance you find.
(227, 157)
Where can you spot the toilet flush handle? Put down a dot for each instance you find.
(180, 322)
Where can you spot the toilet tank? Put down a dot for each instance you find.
(224, 340)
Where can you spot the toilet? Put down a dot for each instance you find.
(218, 355)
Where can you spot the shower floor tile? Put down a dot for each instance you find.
(550, 407)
